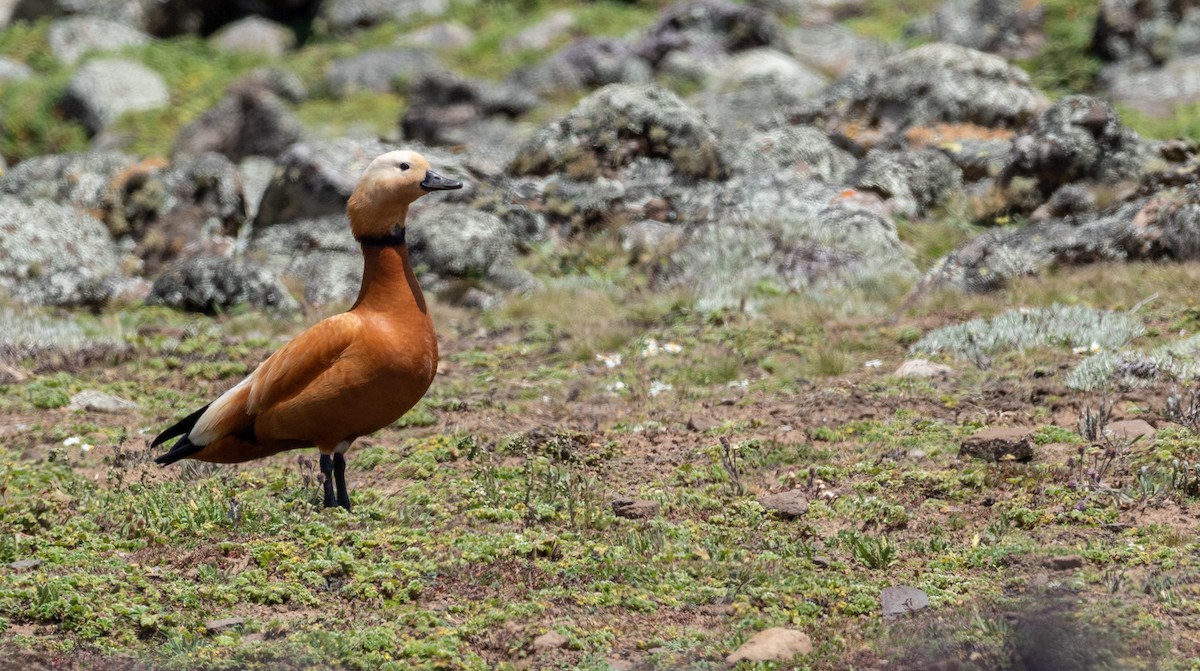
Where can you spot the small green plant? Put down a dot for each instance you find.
(874, 552)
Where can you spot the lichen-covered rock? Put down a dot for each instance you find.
(800, 150)
(1154, 91)
(757, 89)
(254, 35)
(126, 12)
(83, 180)
(933, 83)
(343, 16)
(314, 179)
(215, 284)
(251, 120)
(834, 49)
(1011, 28)
(318, 256)
(913, 181)
(792, 235)
(104, 89)
(439, 36)
(542, 34)
(1078, 138)
(588, 62)
(455, 241)
(379, 70)
(51, 254)
(14, 71)
(1146, 32)
(169, 208)
(616, 124)
(70, 38)
(447, 108)
(1163, 225)
(708, 29)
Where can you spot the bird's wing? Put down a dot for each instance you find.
(283, 375)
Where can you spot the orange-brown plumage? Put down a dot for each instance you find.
(351, 374)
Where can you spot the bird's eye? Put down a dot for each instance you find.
(404, 166)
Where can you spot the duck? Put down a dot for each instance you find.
(348, 375)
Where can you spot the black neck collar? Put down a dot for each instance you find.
(394, 239)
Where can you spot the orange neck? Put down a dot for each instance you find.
(389, 285)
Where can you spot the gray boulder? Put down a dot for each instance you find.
(104, 89)
(439, 36)
(215, 284)
(314, 179)
(380, 70)
(588, 62)
(14, 71)
(254, 35)
(1154, 91)
(835, 49)
(251, 120)
(934, 83)
(616, 124)
(126, 12)
(1078, 138)
(343, 16)
(706, 30)
(1163, 225)
(455, 241)
(758, 89)
(51, 254)
(791, 236)
(83, 180)
(1146, 32)
(799, 150)
(912, 181)
(447, 108)
(187, 207)
(318, 256)
(542, 34)
(70, 38)
(1011, 28)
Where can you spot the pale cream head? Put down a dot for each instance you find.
(387, 187)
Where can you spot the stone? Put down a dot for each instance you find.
(542, 34)
(635, 509)
(1010, 28)
(105, 89)
(439, 36)
(706, 30)
(998, 444)
(83, 180)
(251, 120)
(215, 626)
(1078, 138)
(913, 182)
(98, 401)
(446, 108)
(551, 640)
(458, 241)
(617, 123)
(339, 17)
(14, 71)
(215, 284)
(254, 35)
(53, 255)
(902, 600)
(933, 83)
(757, 89)
(70, 38)
(833, 48)
(378, 70)
(803, 151)
(777, 644)
(1131, 430)
(25, 564)
(587, 62)
(924, 368)
(788, 505)
(1065, 562)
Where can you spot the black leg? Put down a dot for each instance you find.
(327, 472)
(339, 477)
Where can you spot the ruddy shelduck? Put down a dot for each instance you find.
(349, 375)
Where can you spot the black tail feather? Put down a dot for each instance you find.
(184, 447)
(181, 450)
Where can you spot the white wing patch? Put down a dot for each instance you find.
(207, 428)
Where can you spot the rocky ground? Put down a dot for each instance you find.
(795, 334)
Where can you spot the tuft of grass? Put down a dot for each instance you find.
(1065, 64)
